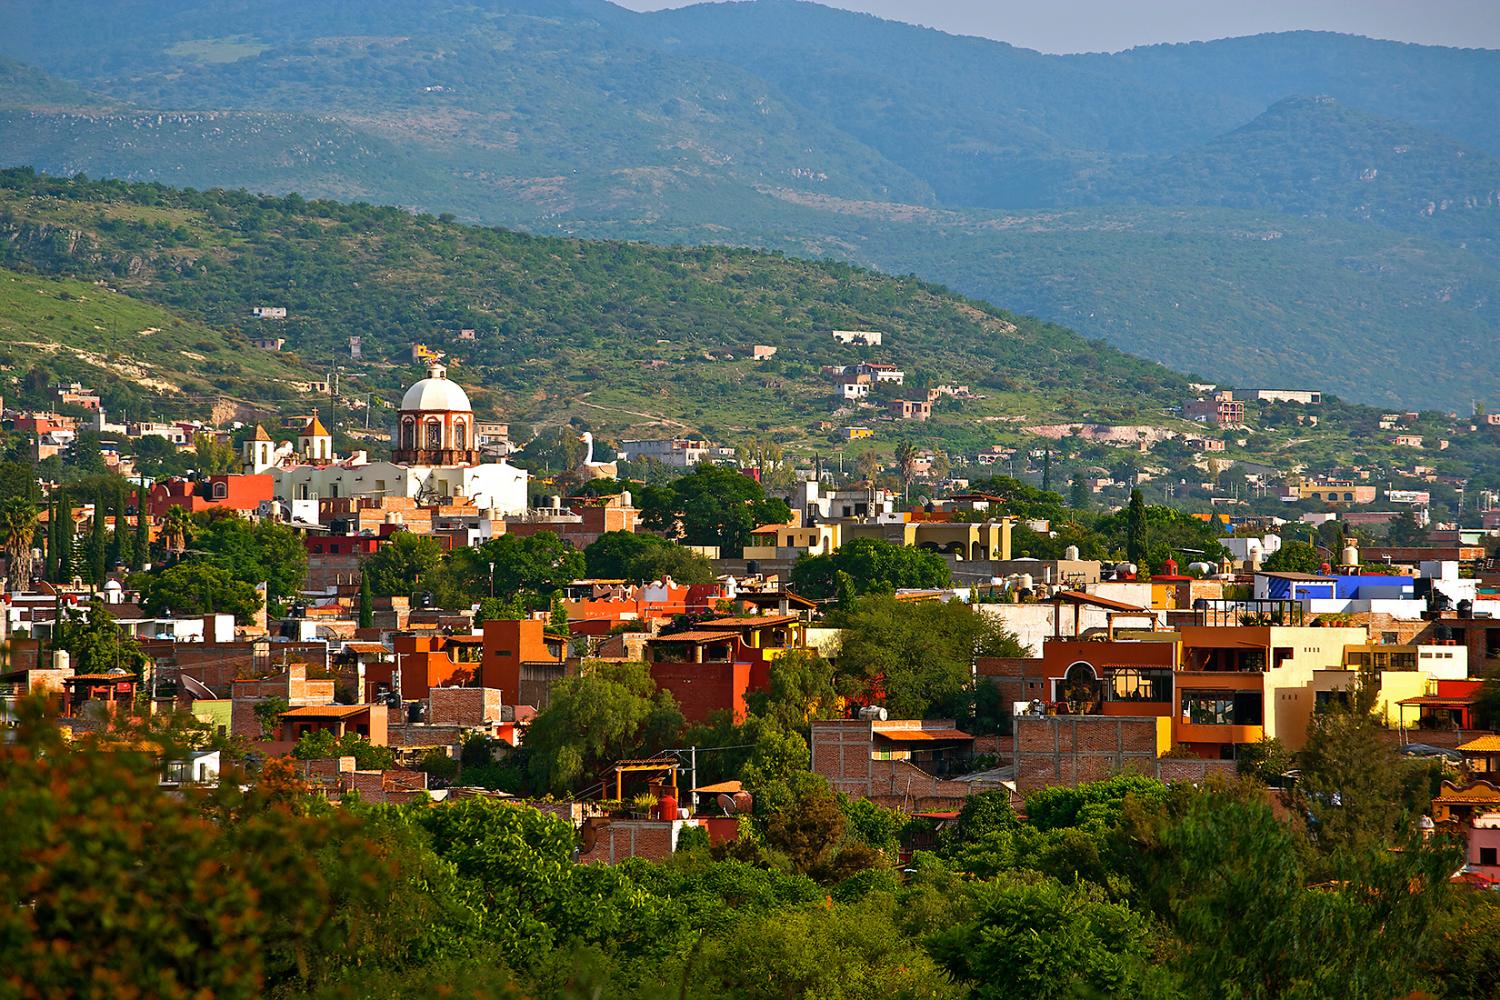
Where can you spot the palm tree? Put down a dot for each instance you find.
(906, 465)
(18, 521)
(176, 529)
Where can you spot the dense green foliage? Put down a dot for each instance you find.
(711, 505)
(865, 565)
(641, 558)
(1124, 889)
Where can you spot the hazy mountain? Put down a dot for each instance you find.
(818, 131)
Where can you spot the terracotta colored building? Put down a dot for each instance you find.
(522, 661)
(241, 493)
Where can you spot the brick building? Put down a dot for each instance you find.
(1072, 749)
(911, 765)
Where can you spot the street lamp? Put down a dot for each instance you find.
(492, 580)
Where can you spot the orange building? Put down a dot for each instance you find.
(522, 661)
(424, 662)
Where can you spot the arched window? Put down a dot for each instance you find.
(220, 491)
(459, 436)
(408, 434)
(434, 435)
(1349, 496)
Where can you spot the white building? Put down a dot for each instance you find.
(436, 457)
(867, 338)
(679, 453)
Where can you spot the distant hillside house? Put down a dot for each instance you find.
(678, 453)
(865, 338)
(1220, 409)
(881, 372)
(856, 433)
(854, 386)
(269, 312)
(268, 343)
(909, 409)
(468, 334)
(762, 352)
(1305, 397)
(74, 394)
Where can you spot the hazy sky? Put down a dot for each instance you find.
(1110, 25)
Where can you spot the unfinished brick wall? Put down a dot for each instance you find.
(841, 752)
(415, 736)
(463, 706)
(1073, 749)
(609, 841)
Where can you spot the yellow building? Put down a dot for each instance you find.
(968, 542)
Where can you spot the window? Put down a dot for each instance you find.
(1349, 497)
(408, 434)
(221, 491)
(1281, 654)
(1487, 856)
(1403, 661)
(1222, 708)
(434, 435)
(1137, 684)
(459, 436)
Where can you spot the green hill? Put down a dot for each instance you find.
(629, 337)
(147, 359)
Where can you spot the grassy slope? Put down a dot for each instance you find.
(94, 333)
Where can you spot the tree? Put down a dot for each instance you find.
(1079, 492)
(873, 565)
(641, 558)
(1406, 531)
(268, 712)
(63, 539)
(198, 588)
(1353, 788)
(98, 546)
(607, 712)
(535, 566)
(1047, 471)
(867, 466)
(116, 555)
(96, 644)
(1135, 529)
(253, 553)
(323, 744)
(1038, 939)
(397, 568)
(177, 529)
(1293, 557)
(906, 465)
(801, 690)
(366, 602)
(140, 552)
(212, 456)
(711, 505)
(916, 658)
(18, 525)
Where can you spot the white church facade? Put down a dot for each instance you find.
(435, 457)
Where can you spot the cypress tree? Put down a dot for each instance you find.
(116, 557)
(49, 565)
(1078, 493)
(1047, 471)
(64, 538)
(366, 602)
(141, 550)
(97, 548)
(1135, 529)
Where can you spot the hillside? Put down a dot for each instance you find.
(150, 360)
(623, 335)
(797, 127)
(1316, 157)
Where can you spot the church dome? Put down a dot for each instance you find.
(436, 393)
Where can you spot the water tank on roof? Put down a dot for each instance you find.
(1466, 608)
(61, 660)
(1351, 554)
(873, 713)
(1202, 568)
(1071, 553)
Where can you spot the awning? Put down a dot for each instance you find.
(721, 788)
(922, 735)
